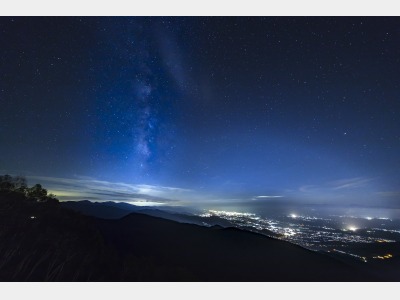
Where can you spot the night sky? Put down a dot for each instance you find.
(189, 110)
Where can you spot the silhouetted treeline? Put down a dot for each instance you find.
(19, 184)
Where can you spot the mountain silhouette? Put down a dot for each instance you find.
(116, 210)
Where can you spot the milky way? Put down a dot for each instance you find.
(300, 110)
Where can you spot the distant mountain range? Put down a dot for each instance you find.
(116, 210)
(116, 242)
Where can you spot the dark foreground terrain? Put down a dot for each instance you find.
(44, 241)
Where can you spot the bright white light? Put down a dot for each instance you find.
(369, 218)
(206, 215)
(231, 213)
(146, 203)
(289, 232)
(352, 228)
(293, 216)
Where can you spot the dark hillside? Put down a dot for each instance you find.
(227, 254)
(100, 210)
(43, 242)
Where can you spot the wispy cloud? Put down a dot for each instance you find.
(172, 58)
(346, 184)
(307, 188)
(266, 197)
(92, 189)
(344, 191)
(389, 194)
(349, 183)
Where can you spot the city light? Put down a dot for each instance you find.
(352, 228)
(311, 232)
(384, 256)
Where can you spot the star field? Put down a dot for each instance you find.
(304, 109)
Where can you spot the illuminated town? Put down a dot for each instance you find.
(330, 235)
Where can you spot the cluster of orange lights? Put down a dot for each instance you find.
(384, 256)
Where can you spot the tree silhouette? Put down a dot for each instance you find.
(18, 185)
(7, 183)
(37, 192)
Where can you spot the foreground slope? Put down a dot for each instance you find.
(221, 254)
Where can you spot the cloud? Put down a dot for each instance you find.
(92, 189)
(346, 184)
(307, 188)
(345, 191)
(349, 183)
(173, 58)
(266, 197)
(389, 194)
